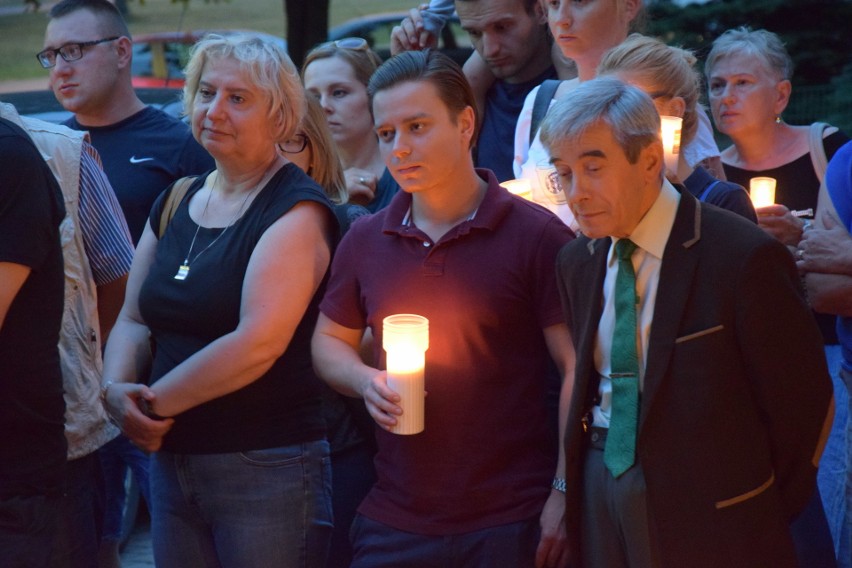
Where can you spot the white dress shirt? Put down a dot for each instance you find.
(650, 236)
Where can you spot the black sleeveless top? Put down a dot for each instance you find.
(283, 406)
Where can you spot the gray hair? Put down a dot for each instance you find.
(762, 44)
(267, 66)
(629, 113)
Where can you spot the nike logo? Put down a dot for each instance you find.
(135, 160)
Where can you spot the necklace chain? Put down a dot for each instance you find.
(183, 269)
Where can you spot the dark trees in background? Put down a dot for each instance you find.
(816, 32)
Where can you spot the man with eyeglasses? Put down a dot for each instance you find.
(88, 50)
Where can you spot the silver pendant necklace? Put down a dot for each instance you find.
(183, 269)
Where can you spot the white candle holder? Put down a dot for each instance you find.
(762, 191)
(670, 127)
(405, 339)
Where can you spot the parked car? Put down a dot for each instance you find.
(376, 29)
(159, 58)
(43, 104)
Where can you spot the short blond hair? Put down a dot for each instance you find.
(268, 67)
(669, 69)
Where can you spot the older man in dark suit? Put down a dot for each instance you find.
(702, 398)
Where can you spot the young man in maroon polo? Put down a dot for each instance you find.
(475, 488)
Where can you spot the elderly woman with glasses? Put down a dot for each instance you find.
(227, 288)
(337, 73)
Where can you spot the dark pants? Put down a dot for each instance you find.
(81, 515)
(615, 516)
(27, 530)
(352, 476)
(377, 545)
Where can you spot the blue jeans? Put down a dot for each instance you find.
(834, 472)
(116, 456)
(377, 545)
(269, 508)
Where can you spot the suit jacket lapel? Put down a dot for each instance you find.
(676, 281)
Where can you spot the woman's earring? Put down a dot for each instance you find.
(778, 119)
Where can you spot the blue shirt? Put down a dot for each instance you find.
(838, 180)
(142, 155)
(503, 103)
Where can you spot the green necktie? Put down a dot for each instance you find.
(620, 452)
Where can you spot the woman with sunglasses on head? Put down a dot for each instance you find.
(337, 73)
(227, 286)
(668, 76)
(350, 428)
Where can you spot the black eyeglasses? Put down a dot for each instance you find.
(353, 43)
(69, 51)
(294, 145)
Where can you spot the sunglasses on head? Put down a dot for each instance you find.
(353, 43)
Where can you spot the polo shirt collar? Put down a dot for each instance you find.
(494, 206)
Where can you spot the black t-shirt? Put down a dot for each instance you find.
(283, 406)
(32, 438)
(142, 155)
(797, 182)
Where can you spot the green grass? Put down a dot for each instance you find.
(21, 35)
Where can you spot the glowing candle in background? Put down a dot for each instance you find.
(671, 127)
(762, 191)
(520, 187)
(405, 339)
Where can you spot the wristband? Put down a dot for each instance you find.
(104, 389)
(559, 484)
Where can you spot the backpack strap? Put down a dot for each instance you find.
(707, 190)
(173, 199)
(817, 149)
(542, 102)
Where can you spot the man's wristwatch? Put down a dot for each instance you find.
(559, 484)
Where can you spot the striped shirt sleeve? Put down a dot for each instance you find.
(105, 233)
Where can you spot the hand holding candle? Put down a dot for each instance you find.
(405, 338)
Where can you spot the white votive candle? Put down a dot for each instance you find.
(670, 129)
(762, 191)
(405, 339)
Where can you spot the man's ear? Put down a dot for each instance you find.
(124, 49)
(630, 9)
(466, 120)
(652, 162)
(539, 13)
